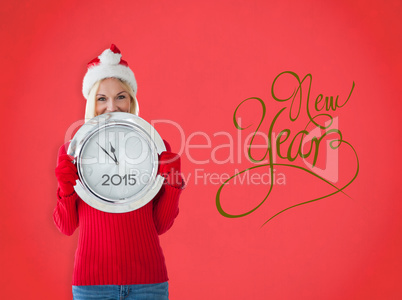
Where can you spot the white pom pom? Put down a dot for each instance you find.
(109, 58)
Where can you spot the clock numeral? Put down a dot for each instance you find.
(131, 179)
(116, 179)
(107, 179)
(113, 181)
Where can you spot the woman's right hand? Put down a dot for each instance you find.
(66, 173)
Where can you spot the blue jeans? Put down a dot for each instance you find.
(157, 291)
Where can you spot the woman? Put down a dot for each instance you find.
(118, 254)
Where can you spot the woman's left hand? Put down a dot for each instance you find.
(169, 167)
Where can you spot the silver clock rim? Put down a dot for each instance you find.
(152, 137)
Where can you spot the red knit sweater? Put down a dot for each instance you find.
(118, 248)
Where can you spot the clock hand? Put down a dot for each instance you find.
(107, 153)
(113, 150)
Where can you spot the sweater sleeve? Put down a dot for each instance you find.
(166, 207)
(65, 214)
(166, 204)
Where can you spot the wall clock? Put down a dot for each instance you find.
(117, 162)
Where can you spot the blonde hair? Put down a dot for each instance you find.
(90, 109)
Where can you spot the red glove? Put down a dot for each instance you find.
(169, 167)
(66, 173)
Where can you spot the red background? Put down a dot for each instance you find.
(194, 63)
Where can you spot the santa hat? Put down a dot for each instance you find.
(108, 64)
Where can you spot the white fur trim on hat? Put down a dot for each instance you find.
(109, 65)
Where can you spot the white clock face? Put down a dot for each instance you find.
(117, 163)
